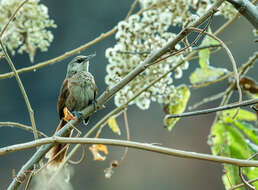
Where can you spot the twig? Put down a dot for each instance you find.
(12, 17)
(206, 100)
(207, 111)
(21, 126)
(243, 179)
(242, 184)
(131, 144)
(127, 137)
(63, 56)
(236, 75)
(131, 9)
(30, 110)
(110, 92)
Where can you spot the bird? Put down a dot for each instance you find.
(77, 92)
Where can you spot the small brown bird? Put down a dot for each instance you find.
(77, 92)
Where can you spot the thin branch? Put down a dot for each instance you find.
(30, 110)
(131, 144)
(111, 91)
(243, 179)
(242, 184)
(21, 126)
(206, 100)
(12, 17)
(207, 111)
(247, 9)
(131, 9)
(236, 75)
(63, 56)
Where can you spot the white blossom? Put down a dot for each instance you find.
(28, 31)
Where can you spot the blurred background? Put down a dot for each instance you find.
(80, 22)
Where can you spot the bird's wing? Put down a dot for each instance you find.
(64, 93)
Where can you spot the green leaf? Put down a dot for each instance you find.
(204, 58)
(227, 115)
(227, 140)
(202, 75)
(249, 130)
(181, 99)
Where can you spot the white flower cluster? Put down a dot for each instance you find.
(144, 33)
(28, 31)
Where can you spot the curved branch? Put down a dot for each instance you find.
(131, 144)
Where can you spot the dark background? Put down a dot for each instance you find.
(82, 21)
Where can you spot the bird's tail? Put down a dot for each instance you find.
(56, 154)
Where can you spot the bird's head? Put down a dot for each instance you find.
(79, 63)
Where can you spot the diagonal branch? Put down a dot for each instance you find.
(131, 144)
(110, 92)
(247, 9)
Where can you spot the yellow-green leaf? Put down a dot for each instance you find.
(244, 115)
(113, 125)
(202, 75)
(181, 99)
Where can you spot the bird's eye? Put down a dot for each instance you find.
(80, 59)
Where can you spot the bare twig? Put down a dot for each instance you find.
(111, 91)
(207, 111)
(243, 179)
(131, 144)
(242, 184)
(30, 110)
(131, 9)
(21, 126)
(65, 55)
(236, 75)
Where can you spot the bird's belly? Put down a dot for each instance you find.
(83, 95)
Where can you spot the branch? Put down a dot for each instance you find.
(30, 110)
(21, 126)
(242, 184)
(110, 92)
(247, 9)
(236, 75)
(69, 53)
(131, 144)
(227, 107)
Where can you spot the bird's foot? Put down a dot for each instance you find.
(68, 115)
(78, 115)
(94, 102)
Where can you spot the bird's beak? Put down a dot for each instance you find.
(88, 57)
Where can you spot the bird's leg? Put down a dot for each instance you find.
(68, 115)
